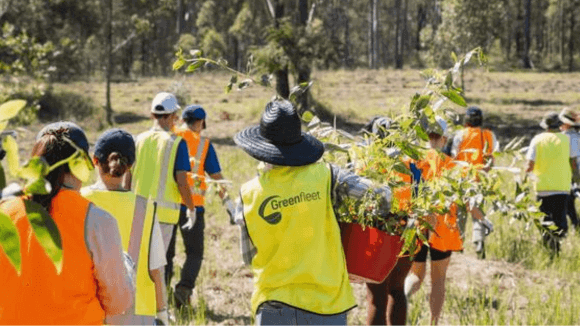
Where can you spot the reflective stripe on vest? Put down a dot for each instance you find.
(134, 215)
(198, 154)
(153, 173)
(39, 295)
(291, 222)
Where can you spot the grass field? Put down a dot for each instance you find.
(518, 283)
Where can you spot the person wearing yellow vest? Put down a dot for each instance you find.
(549, 160)
(140, 233)
(95, 279)
(161, 168)
(475, 145)
(289, 232)
(446, 237)
(568, 118)
(203, 161)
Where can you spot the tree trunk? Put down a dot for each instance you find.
(282, 84)
(421, 22)
(527, 38)
(108, 108)
(373, 27)
(303, 67)
(572, 37)
(398, 37)
(179, 21)
(562, 32)
(346, 57)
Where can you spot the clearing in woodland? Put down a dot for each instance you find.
(518, 283)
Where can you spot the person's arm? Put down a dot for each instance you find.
(455, 144)
(115, 285)
(182, 167)
(184, 189)
(531, 156)
(246, 246)
(347, 184)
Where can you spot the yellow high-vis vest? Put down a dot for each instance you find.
(134, 215)
(153, 173)
(552, 165)
(299, 260)
(197, 147)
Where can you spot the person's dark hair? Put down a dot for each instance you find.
(116, 164)
(52, 147)
(473, 116)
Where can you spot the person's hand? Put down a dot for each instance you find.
(488, 225)
(191, 217)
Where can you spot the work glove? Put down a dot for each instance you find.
(191, 217)
(488, 226)
(230, 208)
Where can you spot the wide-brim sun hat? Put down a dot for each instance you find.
(70, 129)
(550, 121)
(279, 138)
(164, 103)
(568, 116)
(115, 140)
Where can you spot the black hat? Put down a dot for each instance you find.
(72, 130)
(279, 139)
(474, 116)
(115, 140)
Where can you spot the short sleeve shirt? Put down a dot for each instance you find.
(212, 165)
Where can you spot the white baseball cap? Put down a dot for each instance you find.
(164, 103)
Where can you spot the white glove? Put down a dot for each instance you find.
(230, 208)
(488, 225)
(191, 216)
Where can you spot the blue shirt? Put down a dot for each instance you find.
(182, 158)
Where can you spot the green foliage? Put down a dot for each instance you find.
(10, 241)
(46, 232)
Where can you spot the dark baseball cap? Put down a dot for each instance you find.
(71, 130)
(115, 140)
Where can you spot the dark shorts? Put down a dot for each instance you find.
(433, 253)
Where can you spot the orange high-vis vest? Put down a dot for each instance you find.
(447, 236)
(475, 141)
(39, 295)
(197, 147)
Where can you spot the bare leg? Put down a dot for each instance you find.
(438, 274)
(415, 278)
(160, 295)
(387, 304)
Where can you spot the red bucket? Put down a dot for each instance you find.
(370, 254)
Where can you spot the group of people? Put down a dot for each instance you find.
(553, 159)
(118, 235)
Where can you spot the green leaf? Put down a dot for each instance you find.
(454, 97)
(401, 168)
(421, 133)
(422, 102)
(38, 187)
(178, 63)
(228, 88)
(307, 116)
(194, 66)
(36, 168)
(11, 147)
(11, 108)
(10, 241)
(449, 80)
(454, 56)
(46, 232)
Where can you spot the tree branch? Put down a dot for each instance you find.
(271, 8)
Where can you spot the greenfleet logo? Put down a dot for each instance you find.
(273, 203)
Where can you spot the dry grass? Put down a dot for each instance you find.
(223, 291)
